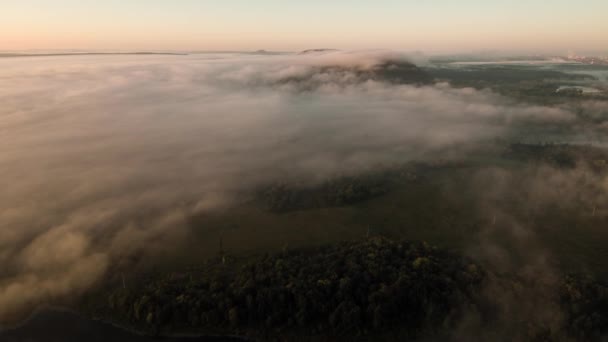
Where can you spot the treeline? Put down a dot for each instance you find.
(339, 191)
(559, 155)
(389, 71)
(284, 197)
(349, 289)
(521, 83)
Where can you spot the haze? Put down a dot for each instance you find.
(441, 25)
(319, 170)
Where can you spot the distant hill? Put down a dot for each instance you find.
(390, 71)
(59, 54)
(316, 51)
(266, 52)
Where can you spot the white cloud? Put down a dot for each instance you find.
(91, 145)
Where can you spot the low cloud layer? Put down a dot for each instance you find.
(103, 157)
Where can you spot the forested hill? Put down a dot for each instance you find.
(393, 72)
(375, 289)
(348, 289)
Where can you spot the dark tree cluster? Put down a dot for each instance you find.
(559, 155)
(387, 71)
(283, 197)
(585, 303)
(517, 82)
(348, 289)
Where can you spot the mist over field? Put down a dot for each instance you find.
(106, 158)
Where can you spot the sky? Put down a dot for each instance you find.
(433, 25)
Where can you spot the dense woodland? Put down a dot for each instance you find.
(389, 71)
(377, 288)
(559, 155)
(521, 82)
(347, 289)
(585, 305)
(284, 197)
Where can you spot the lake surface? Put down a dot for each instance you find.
(63, 326)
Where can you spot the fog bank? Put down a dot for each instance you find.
(104, 157)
